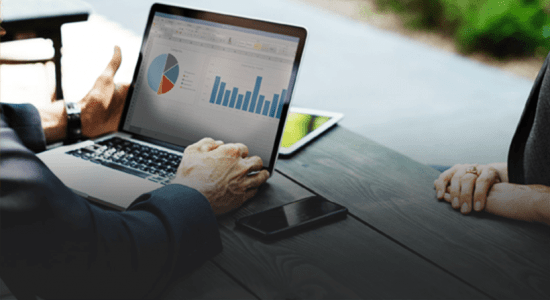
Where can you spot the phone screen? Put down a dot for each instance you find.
(298, 125)
(292, 214)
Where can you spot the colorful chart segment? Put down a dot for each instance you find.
(163, 73)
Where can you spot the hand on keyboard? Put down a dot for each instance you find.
(220, 172)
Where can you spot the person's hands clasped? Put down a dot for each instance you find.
(220, 172)
(102, 106)
(466, 185)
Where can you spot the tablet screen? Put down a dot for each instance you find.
(299, 125)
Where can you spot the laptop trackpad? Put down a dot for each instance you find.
(101, 183)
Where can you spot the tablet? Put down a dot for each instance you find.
(303, 125)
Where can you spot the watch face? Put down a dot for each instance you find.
(72, 108)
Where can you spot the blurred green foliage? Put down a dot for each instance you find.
(502, 28)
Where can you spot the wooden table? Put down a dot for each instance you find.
(23, 19)
(397, 242)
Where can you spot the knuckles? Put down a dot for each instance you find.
(207, 140)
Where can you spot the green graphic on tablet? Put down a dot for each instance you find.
(303, 125)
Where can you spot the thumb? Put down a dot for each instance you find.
(114, 64)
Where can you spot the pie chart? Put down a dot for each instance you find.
(163, 73)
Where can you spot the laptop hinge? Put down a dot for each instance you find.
(159, 143)
(124, 134)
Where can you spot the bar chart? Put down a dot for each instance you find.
(249, 101)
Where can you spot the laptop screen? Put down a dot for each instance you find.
(199, 78)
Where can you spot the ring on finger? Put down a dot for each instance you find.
(472, 170)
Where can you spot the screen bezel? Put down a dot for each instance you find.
(244, 22)
(334, 118)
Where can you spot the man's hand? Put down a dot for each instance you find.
(102, 106)
(220, 172)
(466, 190)
(101, 109)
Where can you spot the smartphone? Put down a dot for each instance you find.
(292, 218)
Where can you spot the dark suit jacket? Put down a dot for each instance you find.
(529, 155)
(55, 244)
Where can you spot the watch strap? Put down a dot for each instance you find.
(74, 124)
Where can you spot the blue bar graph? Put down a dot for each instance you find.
(226, 98)
(249, 101)
(274, 105)
(266, 108)
(246, 100)
(255, 94)
(239, 101)
(260, 103)
(233, 97)
(281, 102)
(215, 89)
(220, 94)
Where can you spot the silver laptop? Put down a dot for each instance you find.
(199, 74)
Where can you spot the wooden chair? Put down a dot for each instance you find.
(24, 19)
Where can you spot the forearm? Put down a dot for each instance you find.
(541, 205)
(54, 121)
(521, 202)
(502, 169)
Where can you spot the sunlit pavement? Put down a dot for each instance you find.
(436, 107)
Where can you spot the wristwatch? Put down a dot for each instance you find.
(74, 125)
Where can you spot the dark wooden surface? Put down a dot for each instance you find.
(503, 258)
(397, 242)
(207, 282)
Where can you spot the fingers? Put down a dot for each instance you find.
(198, 145)
(212, 145)
(204, 145)
(454, 189)
(254, 181)
(464, 190)
(114, 64)
(209, 144)
(467, 185)
(484, 182)
(244, 150)
(442, 182)
(105, 82)
(234, 150)
(253, 164)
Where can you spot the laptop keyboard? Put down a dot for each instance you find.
(133, 158)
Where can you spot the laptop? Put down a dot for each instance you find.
(199, 74)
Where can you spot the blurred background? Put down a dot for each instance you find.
(509, 34)
(440, 81)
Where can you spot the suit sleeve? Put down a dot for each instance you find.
(24, 120)
(55, 244)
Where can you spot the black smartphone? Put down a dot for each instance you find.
(293, 217)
